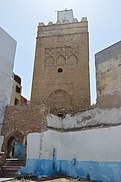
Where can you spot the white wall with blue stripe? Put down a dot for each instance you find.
(93, 153)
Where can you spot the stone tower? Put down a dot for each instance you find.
(61, 68)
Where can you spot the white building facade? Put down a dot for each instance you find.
(7, 55)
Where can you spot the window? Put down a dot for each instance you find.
(60, 115)
(16, 102)
(18, 89)
(60, 70)
(17, 79)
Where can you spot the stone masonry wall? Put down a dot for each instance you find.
(108, 72)
(21, 120)
(61, 69)
(109, 83)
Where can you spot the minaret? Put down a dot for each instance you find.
(61, 68)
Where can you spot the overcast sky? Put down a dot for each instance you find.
(20, 18)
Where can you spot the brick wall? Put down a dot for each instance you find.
(21, 120)
(61, 69)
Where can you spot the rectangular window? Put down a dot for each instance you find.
(16, 102)
(18, 89)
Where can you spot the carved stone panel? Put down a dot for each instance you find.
(61, 55)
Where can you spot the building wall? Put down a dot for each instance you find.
(61, 69)
(65, 15)
(24, 101)
(92, 153)
(7, 54)
(85, 120)
(16, 93)
(21, 120)
(108, 72)
(16, 97)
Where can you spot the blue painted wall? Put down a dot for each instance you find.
(98, 171)
(18, 151)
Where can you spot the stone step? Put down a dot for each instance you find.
(11, 166)
(15, 168)
(13, 163)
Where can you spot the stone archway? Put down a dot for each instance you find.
(15, 145)
(60, 102)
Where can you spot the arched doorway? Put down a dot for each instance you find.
(60, 102)
(10, 147)
(15, 146)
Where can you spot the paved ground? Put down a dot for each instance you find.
(22, 180)
(52, 180)
(6, 179)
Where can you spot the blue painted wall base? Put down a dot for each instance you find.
(18, 151)
(97, 171)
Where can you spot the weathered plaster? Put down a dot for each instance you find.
(94, 152)
(108, 72)
(92, 117)
(103, 144)
(84, 144)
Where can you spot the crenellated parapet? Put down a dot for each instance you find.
(84, 19)
(65, 27)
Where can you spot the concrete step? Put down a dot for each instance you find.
(11, 166)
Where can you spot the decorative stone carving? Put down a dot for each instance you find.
(61, 60)
(61, 55)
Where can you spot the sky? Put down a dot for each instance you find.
(19, 18)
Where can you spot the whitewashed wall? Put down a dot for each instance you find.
(93, 153)
(34, 142)
(7, 54)
(90, 145)
(87, 118)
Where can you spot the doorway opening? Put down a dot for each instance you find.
(10, 147)
(15, 146)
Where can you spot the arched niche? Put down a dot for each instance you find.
(50, 61)
(60, 101)
(72, 59)
(60, 60)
